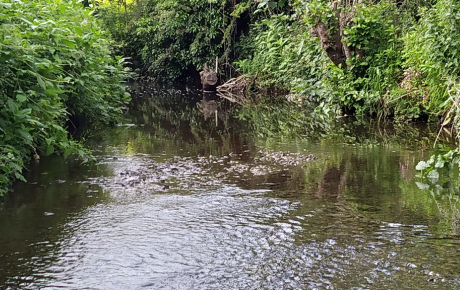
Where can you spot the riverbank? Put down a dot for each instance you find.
(386, 59)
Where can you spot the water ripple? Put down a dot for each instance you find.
(227, 239)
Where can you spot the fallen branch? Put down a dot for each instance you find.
(236, 89)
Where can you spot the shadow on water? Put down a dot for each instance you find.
(184, 196)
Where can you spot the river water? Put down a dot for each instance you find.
(175, 202)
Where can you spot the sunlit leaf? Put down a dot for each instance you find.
(433, 174)
(21, 98)
(422, 185)
(422, 165)
(440, 162)
(69, 43)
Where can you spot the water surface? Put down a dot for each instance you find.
(176, 202)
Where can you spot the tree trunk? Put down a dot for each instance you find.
(208, 79)
(335, 44)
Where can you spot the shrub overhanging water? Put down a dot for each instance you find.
(55, 64)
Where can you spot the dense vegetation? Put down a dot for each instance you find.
(395, 59)
(56, 68)
(172, 37)
(389, 58)
(322, 58)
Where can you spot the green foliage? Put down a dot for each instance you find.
(372, 27)
(375, 79)
(433, 50)
(316, 12)
(439, 166)
(402, 62)
(375, 70)
(55, 63)
(440, 176)
(284, 57)
(172, 37)
(272, 7)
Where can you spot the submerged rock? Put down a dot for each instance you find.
(186, 173)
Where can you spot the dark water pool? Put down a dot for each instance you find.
(174, 202)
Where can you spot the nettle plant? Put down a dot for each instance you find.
(432, 49)
(55, 63)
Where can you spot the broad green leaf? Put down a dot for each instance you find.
(34, 122)
(19, 176)
(49, 141)
(67, 152)
(49, 150)
(27, 138)
(12, 106)
(433, 174)
(422, 185)
(25, 113)
(440, 162)
(300, 47)
(422, 165)
(69, 43)
(21, 98)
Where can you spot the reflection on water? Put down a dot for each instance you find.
(176, 202)
(209, 105)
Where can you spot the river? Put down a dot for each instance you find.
(175, 202)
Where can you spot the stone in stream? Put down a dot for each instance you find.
(194, 172)
(208, 79)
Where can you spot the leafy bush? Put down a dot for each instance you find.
(371, 80)
(55, 63)
(433, 50)
(284, 57)
(373, 63)
(173, 36)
